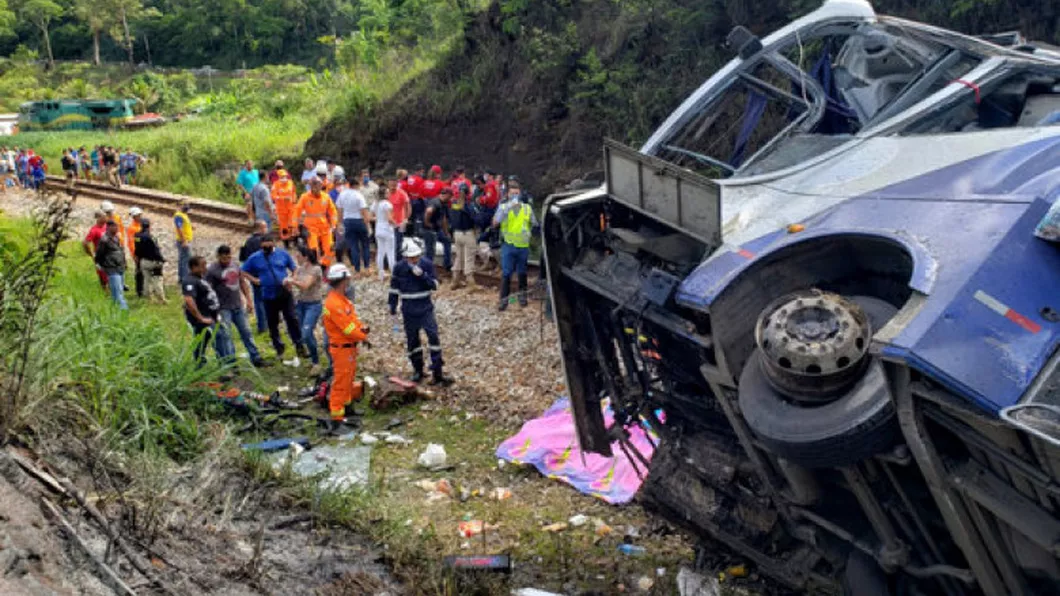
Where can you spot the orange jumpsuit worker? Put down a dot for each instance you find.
(316, 211)
(344, 332)
(286, 197)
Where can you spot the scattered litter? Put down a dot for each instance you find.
(533, 592)
(602, 529)
(371, 382)
(499, 563)
(632, 532)
(433, 457)
(465, 494)
(578, 521)
(550, 443)
(368, 439)
(645, 583)
(557, 527)
(737, 571)
(346, 438)
(275, 444)
(283, 388)
(467, 529)
(690, 583)
(501, 463)
(468, 416)
(394, 423)
(661, 572)
(427, 485)
(465, 545)
(453, 420)
(632, 550)
(344, 466)
(501, 494)
(293, 363)
(397, 440)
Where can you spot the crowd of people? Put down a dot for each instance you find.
(294, 267)
(103, 163)
(27, 169)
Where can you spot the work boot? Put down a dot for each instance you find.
(337, 428)
(302, 350)
(506, 291)
(439, 378)
(353, 412)
(523, 298)
(417, 377)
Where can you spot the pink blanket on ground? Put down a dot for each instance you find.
(550, 443)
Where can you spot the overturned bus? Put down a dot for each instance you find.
(823, 268)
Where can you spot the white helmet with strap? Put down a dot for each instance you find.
(412, 247)
(107, 207)
(338, 272)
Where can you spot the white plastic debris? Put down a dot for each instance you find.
(397, 440)
(578, 521)
(645, 583)
(533, 592)
(342, 467)
(371, 382)
(368, 439)
(433, 457)
(690, 583)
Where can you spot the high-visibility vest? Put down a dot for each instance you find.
(516, 226)
(187, 231)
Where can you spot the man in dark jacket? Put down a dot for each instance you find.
(149, 256)
(411, 284)
(251, 246)
(110, 258)
(201, 307)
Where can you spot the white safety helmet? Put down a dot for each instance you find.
(338, 272)
(412, 247)
(107, 207)
(136, 212)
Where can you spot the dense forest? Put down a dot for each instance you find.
(224, 34)
(229, 34)
(535, 86)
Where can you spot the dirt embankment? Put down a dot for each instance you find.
(533, 92)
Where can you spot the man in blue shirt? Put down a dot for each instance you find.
(248, 178)
(269, 269)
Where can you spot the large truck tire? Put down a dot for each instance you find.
(854, 426)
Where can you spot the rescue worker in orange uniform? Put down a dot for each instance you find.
(318, 214)
(344, 331)
(135, 227)
(285, 196)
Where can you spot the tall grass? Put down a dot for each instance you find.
(128, 379)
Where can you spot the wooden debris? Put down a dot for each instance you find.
(108, 575)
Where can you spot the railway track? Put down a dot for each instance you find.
(218, 214)
(213, 213)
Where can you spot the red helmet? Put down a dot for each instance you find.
(436, 169)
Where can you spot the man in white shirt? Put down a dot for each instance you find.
(308, 174)
(354, 213)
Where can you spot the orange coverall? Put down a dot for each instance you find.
(134, 229)
(319, 215)
(285, 197)
(345, 331)
(121, 227)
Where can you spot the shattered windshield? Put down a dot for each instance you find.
(810, 96)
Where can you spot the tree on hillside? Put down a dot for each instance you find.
(7, 20)
(130, 13)
(41, 13)
(97, 15)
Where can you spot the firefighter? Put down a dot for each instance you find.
(285, 196)
(343, 331)
(318, 214)
(411, 284)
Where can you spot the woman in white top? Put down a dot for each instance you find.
(383, 213)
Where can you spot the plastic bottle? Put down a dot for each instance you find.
(632, 550)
